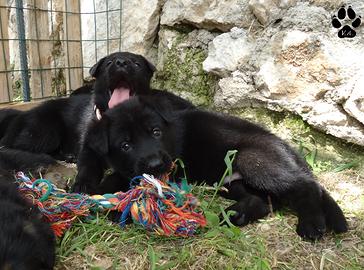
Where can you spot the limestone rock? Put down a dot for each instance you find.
(228, 51)
(180, 58)
(264, 10)
(331, 119)
(233, 91)
(139, 25)
(305, 73)
(268, 10)
(354, 105)
(306, 17)
(208, 14)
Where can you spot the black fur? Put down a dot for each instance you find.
(120, 69)
(6, 116)
(50, 128)
(84, 90)
(57, 127)
(26, 241)
(13, 159)
(91, 164)
(144, 136)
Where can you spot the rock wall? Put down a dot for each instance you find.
(300, 65)
(283, 55)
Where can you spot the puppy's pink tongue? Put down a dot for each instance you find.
(118, 96)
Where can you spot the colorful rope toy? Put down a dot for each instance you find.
(160, 206)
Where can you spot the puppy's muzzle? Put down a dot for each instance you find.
(122, 63)
(156, 165)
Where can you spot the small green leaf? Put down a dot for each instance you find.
(212, 233)
(236, 231)
(300, 148)
(227, 252)
(226, 216)
(229, 158)
(346, 166)
(180, 163)
(152, 258)
(311, 158)
(228, 232)
(212, 219)
(204, 204)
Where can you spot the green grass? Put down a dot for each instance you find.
(214, 247)
(271, 243)
(309, 151)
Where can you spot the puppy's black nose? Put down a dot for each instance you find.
(155, 162)
(119, 62)
(155, 165)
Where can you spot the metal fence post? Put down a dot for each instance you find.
(22, 49)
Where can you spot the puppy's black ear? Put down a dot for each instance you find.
(150, 66)
(95, 68)
(159, 105)
(97, 137)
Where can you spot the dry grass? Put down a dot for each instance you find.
(269, 244)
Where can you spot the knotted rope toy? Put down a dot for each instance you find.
(162, 207)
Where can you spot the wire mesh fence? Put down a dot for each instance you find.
(47, 46)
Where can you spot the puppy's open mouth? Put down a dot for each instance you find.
(120, 94)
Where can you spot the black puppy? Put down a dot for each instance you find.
(57, 127)
(118, 77)
(26, 241)
(143, 136)
(52, 127)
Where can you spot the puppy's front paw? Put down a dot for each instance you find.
(311, 228)
(248, 210)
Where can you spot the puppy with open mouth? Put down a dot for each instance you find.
(122, 75)
(118, 77)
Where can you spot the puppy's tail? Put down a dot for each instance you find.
(13, 159)
(335, 219)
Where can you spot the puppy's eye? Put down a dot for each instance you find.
(137, 64)
(125, 146)
(156, 132)
(108, 63)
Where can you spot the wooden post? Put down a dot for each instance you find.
(6, 92)
(72, 44)
(40, 49)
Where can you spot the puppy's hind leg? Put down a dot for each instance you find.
(305, 197)
(335, 219)
(277, 172)
(248, 208)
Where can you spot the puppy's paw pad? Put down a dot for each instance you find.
(248, 210)
(238, 219)
(312, 228)
(338, 225)
(336, 22)
(346, 20)
(357, 22)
